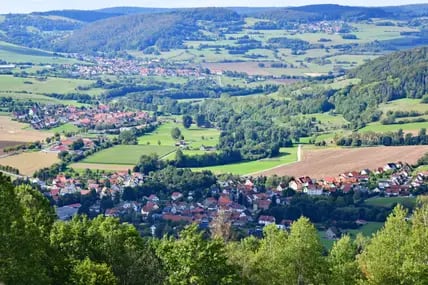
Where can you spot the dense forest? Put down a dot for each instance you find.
(37, 249)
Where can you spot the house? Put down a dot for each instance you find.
(153, 198)
(313, 190)
(148, 208)
(332, 233)
(67, 212)
(266, 220)
(176, 195)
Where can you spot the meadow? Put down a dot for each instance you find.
(389, 202)
(380, 128)
(126, 154)
(287, 155)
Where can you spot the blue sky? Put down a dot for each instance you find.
(23, 6)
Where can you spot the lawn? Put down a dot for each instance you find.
(126, 154)
(195, 137)
(65, 129)
(388, 202)
(288, 155)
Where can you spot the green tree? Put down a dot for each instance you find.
(91, 273)
(342, 262)
(175, 133)
(187, 121)
(382, 260)
(193, 260)
(25, 222)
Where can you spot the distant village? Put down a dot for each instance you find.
(99, 118)
(240, 198)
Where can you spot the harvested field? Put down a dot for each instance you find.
(5, 144)
(29, 162)
(332, 162)
(11, 131)
(94, 166)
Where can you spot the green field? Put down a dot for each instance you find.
(288, 155)
(195, 137)
(18, 54)
(126, 154)
(379, 128)
(406, 104)
(388, 202)
(367, 230)
(34, 86)
(64, 129)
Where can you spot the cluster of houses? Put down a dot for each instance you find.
(122, 66)
(100, 117)
(240, 199)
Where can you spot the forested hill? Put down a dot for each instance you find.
(165, 31)
(402, 74)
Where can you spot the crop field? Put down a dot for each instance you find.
(29, 162)
(389, 202)
(14, 131)
(126, 154)
(319, 163)
(288, 155)
(195, 137)
(5, 144)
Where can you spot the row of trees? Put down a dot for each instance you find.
(386, 139)
(36, 249)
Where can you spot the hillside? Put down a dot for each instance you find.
(402, 74)
(165, 31)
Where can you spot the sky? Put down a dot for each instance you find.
(25, 6)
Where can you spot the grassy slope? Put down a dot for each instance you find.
(288, 155)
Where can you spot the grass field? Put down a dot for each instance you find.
(367, 230)
(379, 128)
(18, 54)
(9, 83)
(64, 128)
(195, 137)
(106, 167)
(388, 202)
(126, 154)
(405, 104)
(288, 155)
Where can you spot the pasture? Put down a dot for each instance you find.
(379, 128)
(195, 137)
(126, 154)
(288, 155)
(319, 163)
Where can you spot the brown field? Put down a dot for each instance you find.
(332, 162)
(95, 166)
(12, 131)
(5, 144)
(29, 162)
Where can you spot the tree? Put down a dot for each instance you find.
(25, 222)
(175, 133)
(305, 263)
(187, 121)
(342, 262)
(200, 120)
(221, 226)
(382, 260)
(78, 144)
(91, 273)
(193, 260)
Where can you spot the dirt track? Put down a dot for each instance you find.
(331, 162)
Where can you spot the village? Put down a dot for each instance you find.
(240, 198)
(98, 118)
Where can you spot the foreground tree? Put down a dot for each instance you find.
(193, 260)
(342, 262)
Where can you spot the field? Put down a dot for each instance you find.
(18, 54)
(29, 162)
(126, 154)
(14, 131)
(406, 104)
(195, 137)
(388, 202)
(5, 144)
(379, 128)
(288, 155)
(94, 166)
(320, 163)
